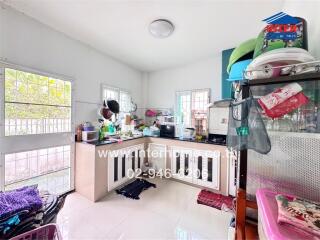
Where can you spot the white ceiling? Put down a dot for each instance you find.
(119, 28)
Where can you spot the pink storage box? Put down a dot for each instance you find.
(46, 232)
(268, 227)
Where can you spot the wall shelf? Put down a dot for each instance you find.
(283, 79)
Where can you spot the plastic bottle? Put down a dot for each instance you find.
(101, 133)
(111, 128)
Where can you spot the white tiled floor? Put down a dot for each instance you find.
(169, 211)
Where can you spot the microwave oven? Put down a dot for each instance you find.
(90, 136)
(166, 120)
(167, 131)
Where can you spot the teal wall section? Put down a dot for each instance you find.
(226, 85)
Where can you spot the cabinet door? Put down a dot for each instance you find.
(114, 166)
(135, 160)
(198, 166)
(182, 164)
(123, 168)
(124, 164)
(187, 165)
(157, 156)
(176, 163)
(207, 169)
(232, 159)
(131, 162)
(140, 158)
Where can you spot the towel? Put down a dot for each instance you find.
(133, 190)
(300, 213)
(25, 198)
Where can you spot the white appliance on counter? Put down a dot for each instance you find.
(90, 136)
(218, 118)
(166, 120)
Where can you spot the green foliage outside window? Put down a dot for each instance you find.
(32, 96)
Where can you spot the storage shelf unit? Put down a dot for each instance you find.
(303, 164)
(292, 166)
(283, 79)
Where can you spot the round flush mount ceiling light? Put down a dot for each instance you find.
(161, 28)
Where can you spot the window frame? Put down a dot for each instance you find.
(118, 90)
(190, 92)
(127, 93)
(108, 87)
(20, 143)
(41, 175)
(4, 65)
(178, 114)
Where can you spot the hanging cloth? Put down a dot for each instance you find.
(246, 129)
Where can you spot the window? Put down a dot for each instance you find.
(36, 112)
(49, 168)
(125, 102)
(183, 106)
(110, 93)
(192, 109)
(121, 96)
(36, 104)
(199, 110)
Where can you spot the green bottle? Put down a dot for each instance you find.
(101, 133)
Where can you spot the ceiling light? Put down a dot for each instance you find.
(161, 28)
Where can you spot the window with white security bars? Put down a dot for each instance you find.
(125, 102)
(110, 93)
(192, 109)
(36, 104)
(199, 110)
(49, 168)
(183, 106)
(37, 111)
(121, 96)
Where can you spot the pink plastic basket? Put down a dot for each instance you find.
(46, 232)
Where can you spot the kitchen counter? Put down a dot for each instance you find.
(94, 166)
(107, 142)
(194, 141)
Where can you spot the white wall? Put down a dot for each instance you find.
(207, 73)
(309, 10)
(26, 42)
(29, 43)
(162, 85)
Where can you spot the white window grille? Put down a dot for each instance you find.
(199, 111)
(49, 165)
(192, 109)
(36, 112)
(125, 102)
(121, 96)
(110, 93)
(183, 106)
(36, 104)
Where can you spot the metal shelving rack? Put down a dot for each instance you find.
(245, 230)
(245, 93)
